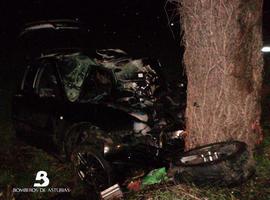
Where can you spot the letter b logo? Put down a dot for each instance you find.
(42, 175)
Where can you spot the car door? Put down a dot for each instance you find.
(48, 96)
(22, 101)
(39, 102)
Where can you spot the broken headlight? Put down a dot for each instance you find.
(108, 148)
(175, 134)
(171, 138)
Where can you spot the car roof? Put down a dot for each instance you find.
(56, 24)
(48, 36)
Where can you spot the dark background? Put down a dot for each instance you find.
(266, 22)
(141, 27)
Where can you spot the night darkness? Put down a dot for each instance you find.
(139, 27)
(142, 28)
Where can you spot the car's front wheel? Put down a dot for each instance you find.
(223, 163)
(90, 166)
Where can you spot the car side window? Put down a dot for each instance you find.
(47, 85)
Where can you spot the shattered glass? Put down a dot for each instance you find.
(74, 69)
(131, 74)
(99, 74)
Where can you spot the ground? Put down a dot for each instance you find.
(258, 187)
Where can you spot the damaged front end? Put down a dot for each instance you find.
(106, 107)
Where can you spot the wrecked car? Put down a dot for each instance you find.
(111, 115)
(103, 111)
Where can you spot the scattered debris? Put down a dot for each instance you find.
(155, 176)
(112, 193)
(134, 185)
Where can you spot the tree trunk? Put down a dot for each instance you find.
(223, 61)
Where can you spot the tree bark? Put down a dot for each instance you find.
(223, 62)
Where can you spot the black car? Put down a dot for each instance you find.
(108, 113)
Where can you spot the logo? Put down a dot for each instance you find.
(42, 176)
(40, 184)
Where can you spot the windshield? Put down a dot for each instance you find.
(87, 78)
(83, 78)
(74, 68)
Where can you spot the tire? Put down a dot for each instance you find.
(91, 168)
(224, 163)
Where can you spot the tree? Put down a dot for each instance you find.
(223, 62)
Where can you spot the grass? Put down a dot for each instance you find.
(20, 163)
(19, 169)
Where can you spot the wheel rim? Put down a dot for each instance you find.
(92, 171)
(210, 153)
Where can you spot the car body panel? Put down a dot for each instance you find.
(121, 95)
